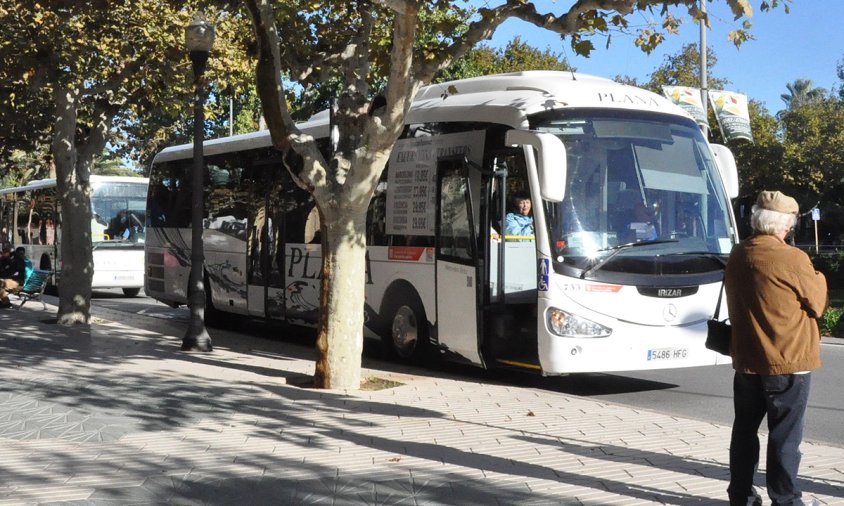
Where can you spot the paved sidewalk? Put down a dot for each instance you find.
(116, 414)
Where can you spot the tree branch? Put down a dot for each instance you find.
(402, 83)
(115, 82)
(285, 135)
(570, 23)
(400, 7)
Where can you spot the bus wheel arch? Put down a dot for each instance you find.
(405, 329)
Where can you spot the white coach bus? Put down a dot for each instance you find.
(30, 216)
(631, 214)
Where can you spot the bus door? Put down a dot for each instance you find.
(510, 280)
(456, 263)
(265, 252)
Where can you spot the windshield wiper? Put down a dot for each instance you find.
(618, 249)
(706, 254)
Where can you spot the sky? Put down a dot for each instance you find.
(806, 43)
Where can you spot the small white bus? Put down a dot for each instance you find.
(623, 265)
(30, 216)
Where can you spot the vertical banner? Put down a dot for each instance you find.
(733, 116)
(689, 99)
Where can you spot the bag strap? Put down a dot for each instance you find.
(718, 306)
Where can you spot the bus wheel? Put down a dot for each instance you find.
(131, 292)
(408, 329)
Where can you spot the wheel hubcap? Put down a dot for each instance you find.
(404, 331)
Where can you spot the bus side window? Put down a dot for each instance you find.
(376, 215)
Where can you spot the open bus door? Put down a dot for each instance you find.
(510, 297)
(456, 262)
(265, 258)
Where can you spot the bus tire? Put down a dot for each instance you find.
(131, 292)
(406, 331)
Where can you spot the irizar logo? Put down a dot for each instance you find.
(669, 292)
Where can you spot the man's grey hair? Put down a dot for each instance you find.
(765, 221)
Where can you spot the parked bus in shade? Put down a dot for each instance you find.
(630, 211)
(31, 217)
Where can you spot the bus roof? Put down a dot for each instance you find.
(50, 182)
(506, 99)
(510, 98)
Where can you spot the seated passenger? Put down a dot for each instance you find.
(520, 223)
(19, 271)
(6, 265)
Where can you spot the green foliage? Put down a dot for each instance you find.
(813, 143)
(24, 166)
(515, 57)
(801, 92)
(683, 69)
(830, 320)
(832, 266)
(109, 165)
(126, 58)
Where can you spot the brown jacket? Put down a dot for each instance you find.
(774, 295)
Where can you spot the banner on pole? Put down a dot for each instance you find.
(689, 99)
(732, 114)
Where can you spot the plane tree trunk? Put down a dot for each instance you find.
(341, 315)
(73, 168)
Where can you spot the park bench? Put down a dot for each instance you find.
(34, 287)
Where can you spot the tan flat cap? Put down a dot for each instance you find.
(777, 201)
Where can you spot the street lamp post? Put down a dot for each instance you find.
(199, 38)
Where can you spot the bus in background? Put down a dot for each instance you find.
(631, 214)
(30, 216)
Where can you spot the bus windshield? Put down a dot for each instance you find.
(643, 197)
(118, 213)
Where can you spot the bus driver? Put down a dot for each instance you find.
(520, 223)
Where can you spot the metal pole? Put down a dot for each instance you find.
(704, 92)
(196, 338)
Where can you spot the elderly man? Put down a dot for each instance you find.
(774, 296)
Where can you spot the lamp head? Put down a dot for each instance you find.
(199, 34)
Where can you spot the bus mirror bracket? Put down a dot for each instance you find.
(726, 163)
(550, 159)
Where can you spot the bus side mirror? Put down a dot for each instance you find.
(550, 160)
(726, 163)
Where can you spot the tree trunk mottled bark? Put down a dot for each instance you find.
(77, 269)
(340, 339)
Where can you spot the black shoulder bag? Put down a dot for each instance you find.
(719, 332)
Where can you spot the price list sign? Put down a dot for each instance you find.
(411, 190)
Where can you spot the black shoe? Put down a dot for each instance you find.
(5, 304)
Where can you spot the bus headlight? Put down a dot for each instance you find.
(566, 324)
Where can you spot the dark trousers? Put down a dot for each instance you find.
(783, 398)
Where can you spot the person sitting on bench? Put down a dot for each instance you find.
(20, 269)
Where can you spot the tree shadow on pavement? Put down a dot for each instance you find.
(121, 411)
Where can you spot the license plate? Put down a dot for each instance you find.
(667, 354)
(124, 278)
